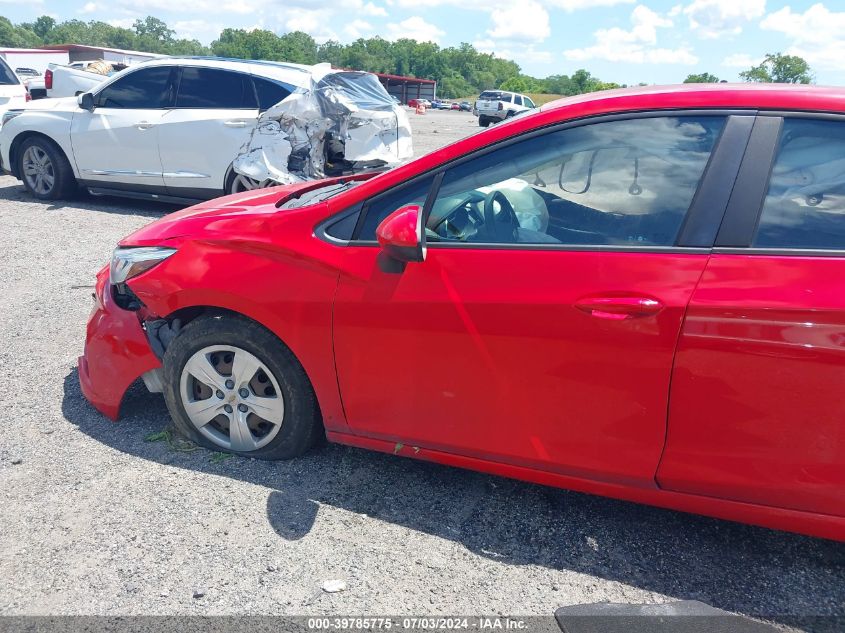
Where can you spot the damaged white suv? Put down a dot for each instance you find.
(183, 129)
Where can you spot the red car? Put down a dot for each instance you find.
(413, 103)
(636, 293)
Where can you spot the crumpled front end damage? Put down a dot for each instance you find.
(117, 351)
(345, 123)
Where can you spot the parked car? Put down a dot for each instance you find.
(171, 129)
(493, 106)
(13, 93)
(413, 103)
(466, 106)
(455, 106)
(33, 81)
(637, 296)
(79, 77)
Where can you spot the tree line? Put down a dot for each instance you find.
(459, 70)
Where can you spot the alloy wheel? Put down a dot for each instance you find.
(232, 398)
(38, 170)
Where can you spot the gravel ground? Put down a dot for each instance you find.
(96, 520)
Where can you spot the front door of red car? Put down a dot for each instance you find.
(757, 410)
(541, 327)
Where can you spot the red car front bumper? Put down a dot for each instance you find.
(116, 351)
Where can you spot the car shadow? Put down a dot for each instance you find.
(15, 191)
(752, 571)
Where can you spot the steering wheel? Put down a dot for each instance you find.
(501, 227)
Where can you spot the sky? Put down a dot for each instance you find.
(624, 41)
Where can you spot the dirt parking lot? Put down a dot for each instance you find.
(97, 519)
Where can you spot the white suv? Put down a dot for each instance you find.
(497, 105)
(169, 129)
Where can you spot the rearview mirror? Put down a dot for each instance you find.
(86, 101)
(401, 235)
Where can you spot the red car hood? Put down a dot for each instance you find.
(221, 215)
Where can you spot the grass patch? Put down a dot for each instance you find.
(218, 457)
(178, 444)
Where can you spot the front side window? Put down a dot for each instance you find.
(804, 206)
(212, 88)
(625, 182)
(385, 204)
(148, 88)
(528, 102)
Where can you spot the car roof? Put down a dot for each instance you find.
(295, 74)
(744, 95)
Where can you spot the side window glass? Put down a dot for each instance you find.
(517, 100)
(627, 182)
(805, 203)
(529, 103)
(270, 92)
(385, 204)
(148, 88)
(211, 88)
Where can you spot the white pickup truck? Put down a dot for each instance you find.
(497, 105)
(76, 78)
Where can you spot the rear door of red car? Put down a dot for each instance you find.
(550, 353)
(757, 411)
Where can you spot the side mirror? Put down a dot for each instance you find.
(401, 235)
(86, 101)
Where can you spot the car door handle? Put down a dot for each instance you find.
(619, 307)
(234, 123)
(144, 125)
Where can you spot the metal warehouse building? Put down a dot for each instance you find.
(406, 88)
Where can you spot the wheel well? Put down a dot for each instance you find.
(19, 140)
(188, 314)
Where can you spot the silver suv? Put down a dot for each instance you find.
(497, 105)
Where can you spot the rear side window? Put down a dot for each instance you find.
(517, 100)
(213, 88)
(270, 92)
(148, 88)
(7, 77)
(805, 203)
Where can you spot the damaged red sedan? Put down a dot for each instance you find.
(633, 293)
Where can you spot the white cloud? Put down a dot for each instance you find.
(526, 21)
(523, 54)
(193, 7)
(636, 46)
(374, 10)
(197, 29)
(415, 28)
(741, 60)
(575, 5)
(314, 22)
(358, 28)
(815, 35)
(89, 7)
(714, 18)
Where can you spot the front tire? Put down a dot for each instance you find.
(44, 169)
(238, 183)
(231, 385)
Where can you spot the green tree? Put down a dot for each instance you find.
(702, 78)
(16, 36)
(780, 69)
(43, 25)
